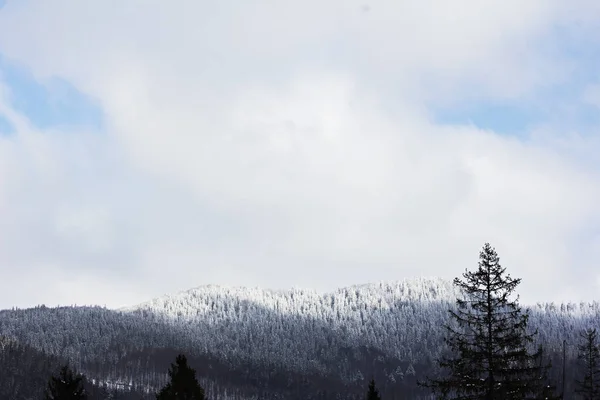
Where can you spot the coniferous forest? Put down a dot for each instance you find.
(412, 339)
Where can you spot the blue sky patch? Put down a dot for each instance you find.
(501, 118)
(560, 104)
(51, 103)
(6, 128)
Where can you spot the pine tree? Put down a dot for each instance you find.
(183, 384)
(66, 386)
(373, 393)
(589, 356)
(487, 336)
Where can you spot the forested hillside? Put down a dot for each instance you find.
(252, 343)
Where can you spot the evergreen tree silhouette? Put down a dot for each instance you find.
(373, 393)
(66, 386)
(488, 339)
(544, 387)
(183, 384)
(589, 355)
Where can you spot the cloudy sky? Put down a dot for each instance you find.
(150, 146)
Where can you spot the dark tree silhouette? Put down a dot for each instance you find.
(66, 386)
(488, 338)
(588, 387)
(183, 384)
(373, 393)
(544, 387)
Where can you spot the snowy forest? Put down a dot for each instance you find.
(249, 343)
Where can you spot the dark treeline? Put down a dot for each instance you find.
(470, 338)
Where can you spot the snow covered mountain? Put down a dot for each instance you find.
(251, 337)
(201, 299)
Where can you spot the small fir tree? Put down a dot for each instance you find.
(544, 388)
(373, 393)
(183, 384)
(588, 387)
(66, 386)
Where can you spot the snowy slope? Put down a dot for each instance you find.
(395, 325)
(211, 301)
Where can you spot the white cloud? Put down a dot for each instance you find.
(289, 144)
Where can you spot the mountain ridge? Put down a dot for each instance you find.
(410, 285)
(252, 336)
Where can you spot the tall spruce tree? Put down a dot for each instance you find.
(183, 384)
(488, 339)
(588, 387)
(66, 386)
(373, 393)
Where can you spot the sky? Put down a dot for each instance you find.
(148, 147)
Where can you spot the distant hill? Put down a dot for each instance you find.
(253, 343)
